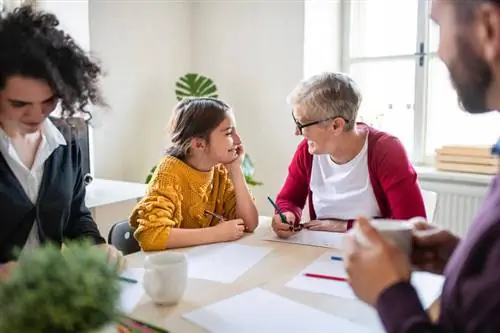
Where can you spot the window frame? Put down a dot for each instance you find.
(421, 56)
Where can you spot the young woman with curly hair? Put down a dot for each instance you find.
(42, 192)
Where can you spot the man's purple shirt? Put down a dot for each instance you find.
(470, 302)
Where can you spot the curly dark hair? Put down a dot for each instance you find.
(32, 45)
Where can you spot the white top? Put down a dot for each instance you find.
(31, 180)
(343, 191)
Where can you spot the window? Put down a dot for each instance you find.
(389, 49)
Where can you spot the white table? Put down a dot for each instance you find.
(272, 273)
(103, 192)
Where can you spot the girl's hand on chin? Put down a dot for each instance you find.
(236, 163)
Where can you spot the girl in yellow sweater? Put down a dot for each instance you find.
(198, 179)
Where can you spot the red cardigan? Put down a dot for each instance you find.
(393, 178)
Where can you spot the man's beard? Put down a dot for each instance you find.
(471, 77)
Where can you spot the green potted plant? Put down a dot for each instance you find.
(196, 85)
(76, 292)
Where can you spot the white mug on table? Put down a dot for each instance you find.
(165, 277)
(398, 231)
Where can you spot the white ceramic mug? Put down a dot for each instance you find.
(398, 231)
(165, 277)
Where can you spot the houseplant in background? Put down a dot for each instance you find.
(73, 292)
(196, 85)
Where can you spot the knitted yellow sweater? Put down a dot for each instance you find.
(177, 197)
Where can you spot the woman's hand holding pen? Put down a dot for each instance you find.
(284, 230)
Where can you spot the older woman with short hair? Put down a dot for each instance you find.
(345, 169)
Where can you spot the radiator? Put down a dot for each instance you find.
(456, 211)
(457, 202)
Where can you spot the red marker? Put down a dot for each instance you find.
(326, 277)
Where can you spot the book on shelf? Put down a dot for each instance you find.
(471, 159)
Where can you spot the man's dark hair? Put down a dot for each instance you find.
(33, 45)
(466, 9)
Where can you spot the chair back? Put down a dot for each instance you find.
(430, 203)
(121, 236)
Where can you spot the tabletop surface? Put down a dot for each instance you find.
(282, 264)
(102, 192)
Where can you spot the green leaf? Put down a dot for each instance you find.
(150, 174)
(195, 85)
(248, 171)
(252, 182)
(247, 165)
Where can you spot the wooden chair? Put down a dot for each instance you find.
(121, 236)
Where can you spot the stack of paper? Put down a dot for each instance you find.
(261, 311)
(223, 262)
(428, 285)
(312, 238)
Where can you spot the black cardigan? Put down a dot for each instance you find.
(60, 211)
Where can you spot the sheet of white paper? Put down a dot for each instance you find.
(261, 311)
(310, 237)
(131, 293)
(326, 266)
(223, 262)
(428, 285)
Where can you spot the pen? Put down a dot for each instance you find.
(220, 217)
(126, 279)
(326, 277)
(283, 218)
(336, 258)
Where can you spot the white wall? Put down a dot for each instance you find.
(254, 52)
(73, 17)
(323, 36)
(144, 47)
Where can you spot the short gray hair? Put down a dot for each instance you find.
(329, 95)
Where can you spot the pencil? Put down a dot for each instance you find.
(326, 277)
(220, 217)
(126, 279)
(283, 218)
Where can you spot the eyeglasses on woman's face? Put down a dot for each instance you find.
(301, 126)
